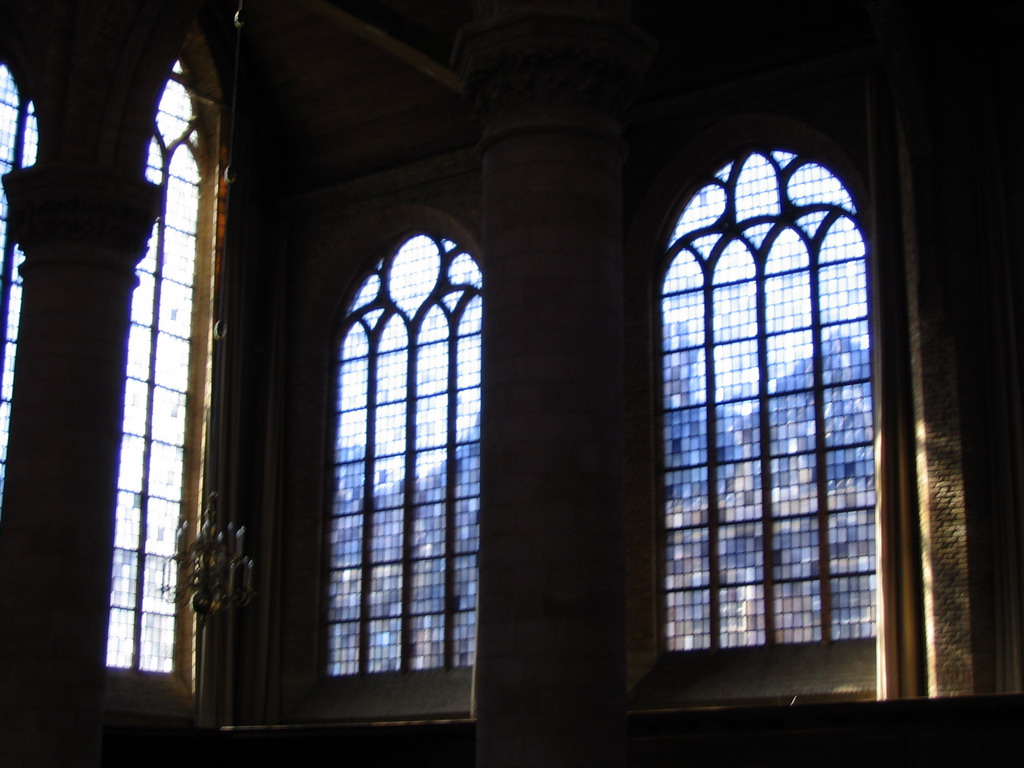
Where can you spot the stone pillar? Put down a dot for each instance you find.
(82, 234)
(550, 670)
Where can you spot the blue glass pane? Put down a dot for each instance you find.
(739, 491)
(686, 437)
(796, 275)
(686, 497)
(846, 353)
(688, 559)
(688, 620)
(795, 549)
(794, 485)
(682, 318)
(790, 361)
(684, 378)
(428, 537)
(738, 431)
(737, 374)
(797, 608)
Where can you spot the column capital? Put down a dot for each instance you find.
(553, 58)
(54, 205)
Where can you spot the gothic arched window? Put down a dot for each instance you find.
(403, 527)
(18, 139)
(151, 485)
(768, 482)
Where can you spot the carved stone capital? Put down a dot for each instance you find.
(556, 59)
(57, 206)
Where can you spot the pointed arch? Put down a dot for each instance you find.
(157, 484)
(767, 415)
(403, 526)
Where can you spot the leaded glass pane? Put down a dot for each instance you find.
(685, 274)
(345, 595)
(467, 525)
(429, 530)
(686, 497)
(757, 189)
(703, 210)
(343, 648)
(464, 271)
(686, 437)
(408, 395)
(742, 613)
(794, 486)
(688, 624)
(683, 320)
(813, 184)
(150, 483)
(846, 353)
(414, 273)
(795, 548)
(798, 611)
(788, 252)
(688, 564)
(783, 333)
(685, 381)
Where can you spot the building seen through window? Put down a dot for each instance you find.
(768, 482)
(403, 528)
(18, 141)
(152, 476)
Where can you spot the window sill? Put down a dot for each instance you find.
(782, 674)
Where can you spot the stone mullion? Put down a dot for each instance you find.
(820, 448)
(764, 446)
(451, 476)
(714, 505)
(369, 492)
(412, 398)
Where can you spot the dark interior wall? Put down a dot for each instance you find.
(900, 734)
(703, 101)
(919, 114)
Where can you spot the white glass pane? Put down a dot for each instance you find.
(414, 273)
(704, 209)
(757, 189)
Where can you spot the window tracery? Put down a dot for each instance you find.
(151, 480)
(404, 522)
(768, 480)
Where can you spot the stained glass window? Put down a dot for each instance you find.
(767, 421)
(150, 483)
(18, 141)
(404, 520)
